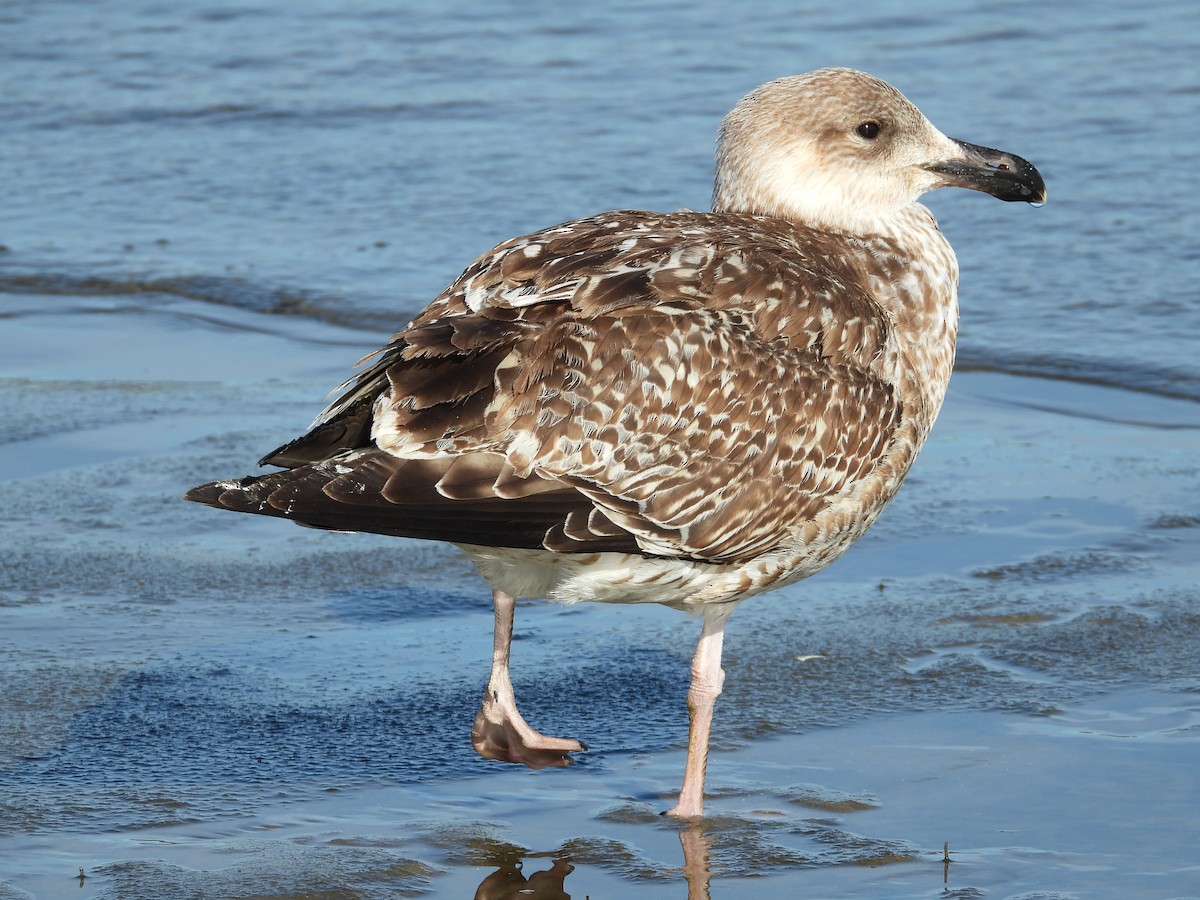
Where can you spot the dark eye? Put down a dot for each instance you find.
(868, 130)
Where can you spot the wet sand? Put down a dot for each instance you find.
(206, 705)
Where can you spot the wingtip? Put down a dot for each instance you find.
(210, 494)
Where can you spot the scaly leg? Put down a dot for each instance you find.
(499, 731)
(707, 679)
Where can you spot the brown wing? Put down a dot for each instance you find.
(687, 385)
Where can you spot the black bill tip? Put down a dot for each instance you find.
(1005, 176)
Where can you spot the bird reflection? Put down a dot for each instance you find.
(696, 848)
(508, 882)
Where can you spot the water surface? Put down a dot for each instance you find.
(209, 212)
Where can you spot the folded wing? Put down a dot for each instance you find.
(682, 385)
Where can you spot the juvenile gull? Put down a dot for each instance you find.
(686, 408)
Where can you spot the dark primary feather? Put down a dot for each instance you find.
(688, 385)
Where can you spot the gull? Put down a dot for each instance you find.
(684, 408)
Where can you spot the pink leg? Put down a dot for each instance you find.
(707, 679)
(500, 732)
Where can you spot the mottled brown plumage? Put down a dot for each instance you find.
(686, 408)
(565, 395)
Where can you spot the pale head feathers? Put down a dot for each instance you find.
(801, 148)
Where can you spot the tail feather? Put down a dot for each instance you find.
(375, 492)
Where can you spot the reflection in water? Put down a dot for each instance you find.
(696, 847)
(509, 881)
(767, 841)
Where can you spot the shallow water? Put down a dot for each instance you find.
(206, 705)
(199, 705)
(347, 159)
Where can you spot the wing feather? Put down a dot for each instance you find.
(688, 385)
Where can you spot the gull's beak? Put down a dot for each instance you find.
(994, 172)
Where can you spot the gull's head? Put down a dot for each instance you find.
(840, 150)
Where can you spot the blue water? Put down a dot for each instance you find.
(347, 158)
(208, 211)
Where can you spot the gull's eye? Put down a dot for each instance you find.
(868, 130)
